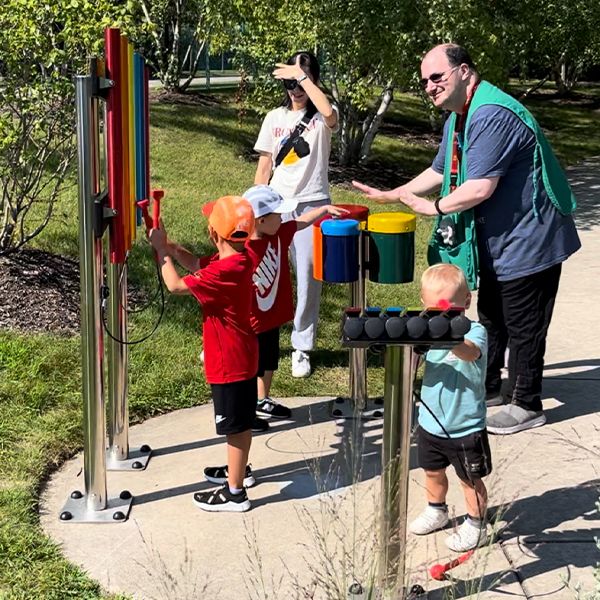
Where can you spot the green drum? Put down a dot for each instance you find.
(391, 247)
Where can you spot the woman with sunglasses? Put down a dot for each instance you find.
(294, 162)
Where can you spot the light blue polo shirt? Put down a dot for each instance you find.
(454, 389)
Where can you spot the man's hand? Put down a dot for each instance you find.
(371, 193)
(419, 205)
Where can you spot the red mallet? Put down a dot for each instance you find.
(157, 196)
(444, 304)
(438, 571)
(143, 205)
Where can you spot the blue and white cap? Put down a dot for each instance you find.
(265, 200)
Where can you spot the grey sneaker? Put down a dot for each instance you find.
(513, 418)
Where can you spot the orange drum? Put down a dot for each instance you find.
(318, 248)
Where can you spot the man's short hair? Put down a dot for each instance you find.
(457, 56)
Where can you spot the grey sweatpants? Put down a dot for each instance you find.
(308, 292)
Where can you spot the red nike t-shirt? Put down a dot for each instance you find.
(224, 289)
(272, 303)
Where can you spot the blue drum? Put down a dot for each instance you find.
(340, 250)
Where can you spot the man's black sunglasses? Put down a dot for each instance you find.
(437, 77)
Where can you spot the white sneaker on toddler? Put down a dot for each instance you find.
(430, 520)
(467, 537)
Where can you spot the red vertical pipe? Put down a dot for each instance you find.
(114, 150)
(125, 163)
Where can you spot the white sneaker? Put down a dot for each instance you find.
(300, 364)
(431, 519)
(202, 357)
(467, 537)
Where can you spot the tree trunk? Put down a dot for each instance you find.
(193, 67)
(373, 124)
(207, 71)
(535, 87)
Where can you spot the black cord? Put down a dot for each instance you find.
(160, 316)
(144, 307)
(464, 469)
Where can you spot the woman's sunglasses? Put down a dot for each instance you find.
(290, 84)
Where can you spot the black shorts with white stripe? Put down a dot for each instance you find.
(235, 405)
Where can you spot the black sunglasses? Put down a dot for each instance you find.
(290, 84)
(436, 77)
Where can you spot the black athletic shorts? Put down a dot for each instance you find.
(469, 455)
(235, 405)
(268, 351)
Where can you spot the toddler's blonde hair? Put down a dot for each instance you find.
(442, 275)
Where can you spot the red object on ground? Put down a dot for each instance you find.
(438, 571)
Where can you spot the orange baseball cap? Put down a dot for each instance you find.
(231, 217)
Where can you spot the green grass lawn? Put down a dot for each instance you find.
(198, 153)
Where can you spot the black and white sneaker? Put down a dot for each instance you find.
(219, 475)
(268, 408)
(222, 500)
(259, 425)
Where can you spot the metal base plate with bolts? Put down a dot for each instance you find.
(358, 592)
(136, 461)
(76, 510)
(345, 408)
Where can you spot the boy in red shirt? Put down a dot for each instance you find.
(222, 284)
(272, 303)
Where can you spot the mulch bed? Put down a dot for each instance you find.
(39, 292)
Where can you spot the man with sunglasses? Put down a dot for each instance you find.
(495, 167)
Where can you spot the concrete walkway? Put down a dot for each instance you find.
(311, 529)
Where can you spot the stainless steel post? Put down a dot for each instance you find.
(395, 466)
(90, 252)
(358, 356)
(118, 419)
(355, 404)
(93, 505)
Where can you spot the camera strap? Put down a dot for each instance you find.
(298, 130)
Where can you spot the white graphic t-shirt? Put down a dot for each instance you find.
(303, 179)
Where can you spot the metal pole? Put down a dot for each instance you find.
(118, 428)
(358, 356)
(90, 251)
(395, 464)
